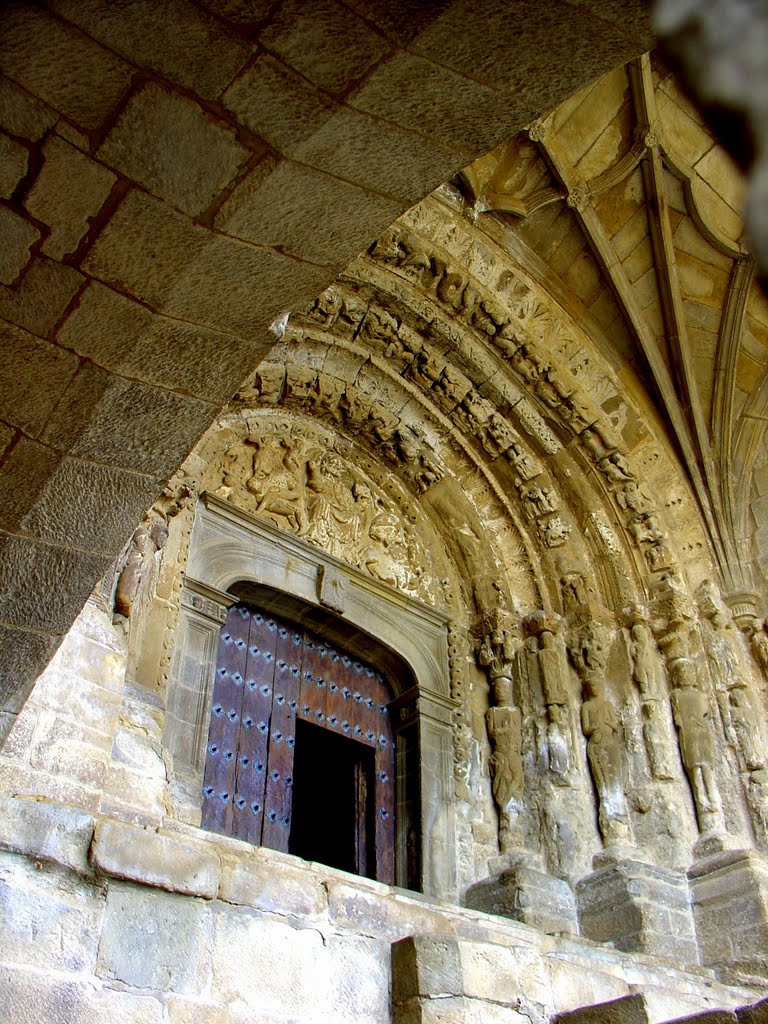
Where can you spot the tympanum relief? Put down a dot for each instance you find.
(306, 486)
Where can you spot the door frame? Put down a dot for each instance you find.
(236, 556)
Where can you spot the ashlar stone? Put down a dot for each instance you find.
(13, 165)
(266, 211)
(40, 52)
(135, 947)
(166, 142)
(33, 375)
(178, 45)
(69, 190)
(21, 114)
(41, 297)
(18, 238)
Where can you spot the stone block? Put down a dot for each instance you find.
(271, 968)
(264, 210)
(90, 505)
(21, 114)
(141, 855)
(360, 979)
(450, 1010)
(526, 894)
(757, 1013)
(33, 375)
(62, 581)
(51, 920)
(40, 997)
(277, 104)
(13, 165)
(421, 96)
(326, 43)
(154, 432)
(126, 338)
(426, 965)
(46, 831)
(378, 156)
(70, 749)
(364, 910)
(18, 238)
(18, 649)
(38, 301)
(183, 1010)
(637, 906)
(69, 190)
(39, 52)
(70, 501)
(168, 144)
(627, 1010)
(730, 906)
(155, 940)
(178, 45)
(253, 879)
(196, 275)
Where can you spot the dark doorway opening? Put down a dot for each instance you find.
(333, 801)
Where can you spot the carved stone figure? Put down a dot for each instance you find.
(693, 719)
(139, 563)
(642, 650)
(277, 483)
(600, 725)
(497, 651)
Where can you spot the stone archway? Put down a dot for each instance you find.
(122, 250)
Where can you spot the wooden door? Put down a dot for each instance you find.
(270, 675)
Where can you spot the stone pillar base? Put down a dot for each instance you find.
(639, 907)
(526, 893)
(730, 906)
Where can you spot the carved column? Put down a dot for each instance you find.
(498, 649)
(690, 705)
(589, 647)
(646, 671)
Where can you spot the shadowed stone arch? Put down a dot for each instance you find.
(140, 285)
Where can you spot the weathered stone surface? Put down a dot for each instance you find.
(18, 238)
(329, 45)
(183, 1010)
(41, 297)
(33, 375)
(69, 1001)
(263, 209)
(21, 114)
(178, 45)
(46, 831)
(528, 895)
(51, 920)
(426, 965)
(69, 190)
(83, 423)
(730, 906)
(167, 143)
(757, 1013)
(135, 947)
(272, 968)
(192, 274)
(125, 337)
(16, 647)
(13, 165)
(57, 498)
(277, 104)
(42, 585)
(639, 907)
(422, 96)
(39, 52)
(362, 909)
(279, 888)
(376, 155)
(360, 981)
(627, 1010)
(145, 856)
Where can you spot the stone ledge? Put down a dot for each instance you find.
(46, 831)
(140, 855)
